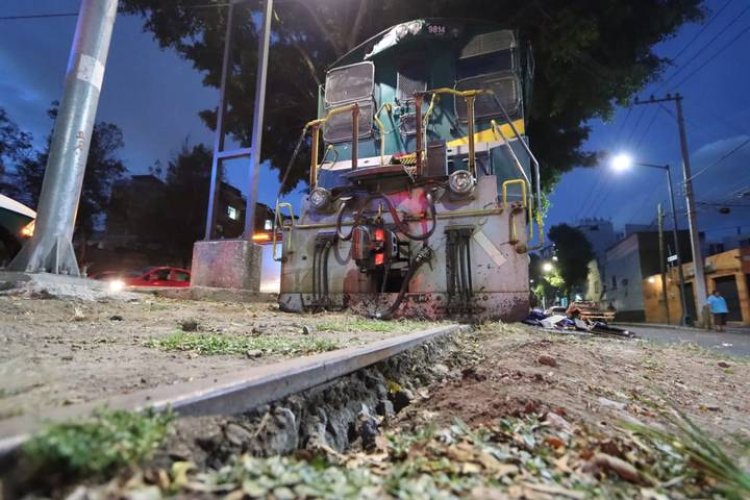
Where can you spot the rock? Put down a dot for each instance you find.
(307, 330)
(237, 434)
(276, 435)
(724, 364)
(546, 359)
(440, 369)
(556, 421)
(367, 430)
(257, 330)
(116, 317)
(401, 399)
(254, 353)
(189, 325)
(385, 409)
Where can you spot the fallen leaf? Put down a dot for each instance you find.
(626, 471)
(554, 442)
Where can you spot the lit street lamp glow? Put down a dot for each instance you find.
(547, 267)
(621, 162)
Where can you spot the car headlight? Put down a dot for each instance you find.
(319, 198)
(116, 285)
(461, 182)
(28, 229)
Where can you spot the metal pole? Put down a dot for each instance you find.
(700, 280)
(51, 247)
(213, 198)
(660, 219)
(260, 107)
(675, 236)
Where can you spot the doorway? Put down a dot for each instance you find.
(727, 287)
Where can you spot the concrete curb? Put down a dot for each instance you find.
(678, 327)
(230, 394)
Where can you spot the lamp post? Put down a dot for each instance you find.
(622, 162)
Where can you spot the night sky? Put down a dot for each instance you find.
(154, 97)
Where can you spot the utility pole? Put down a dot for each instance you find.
(699, 283)
(662, 260)
(51, 247)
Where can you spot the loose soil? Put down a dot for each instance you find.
(59, 352)
(597, 380)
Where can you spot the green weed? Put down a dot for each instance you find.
(359, 324)
(110, 440)
(211, 344)
(703, 452)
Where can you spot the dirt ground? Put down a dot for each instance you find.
(596, 380)
(512, 412)
(59, 352)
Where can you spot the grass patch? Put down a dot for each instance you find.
(702, 452)
(211, 344)
(110, 440)
(359, 324)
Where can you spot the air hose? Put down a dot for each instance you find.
(423, 255)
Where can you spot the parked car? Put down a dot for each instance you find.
(161, 276)
(16, 225)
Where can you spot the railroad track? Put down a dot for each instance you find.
(230, 394)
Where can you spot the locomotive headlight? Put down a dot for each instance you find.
(461, 182)
(319, 198)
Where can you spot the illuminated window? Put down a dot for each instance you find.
(233, 213)
(268, 225)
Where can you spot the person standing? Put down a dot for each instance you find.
(719, 309)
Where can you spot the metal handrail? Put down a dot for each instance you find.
(278, 223)
(315, 126)
(510, 182)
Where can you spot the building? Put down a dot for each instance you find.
(627, 264)
(729, 272)
(600, 233)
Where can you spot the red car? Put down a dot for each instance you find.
(151, 276)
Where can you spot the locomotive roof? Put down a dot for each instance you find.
(416, 29)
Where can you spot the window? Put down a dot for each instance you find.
(233, 213)
(338, 128)
(412, 77)
(506, 88)
(181, 276)
(349, 83)
(268, 225)
(160, 275)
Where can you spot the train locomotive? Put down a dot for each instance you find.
(424, 195)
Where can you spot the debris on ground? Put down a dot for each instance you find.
(580, 317)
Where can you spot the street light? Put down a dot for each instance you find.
(623, 161)
(547, 267)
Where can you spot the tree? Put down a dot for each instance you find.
(186, 199)
(103, 168)
(172, 215)
(574, 252)
(590, 55)
(15, 145)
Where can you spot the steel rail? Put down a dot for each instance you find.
(230, 394)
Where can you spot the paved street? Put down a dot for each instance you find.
(733, 343)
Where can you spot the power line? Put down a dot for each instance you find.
(706, 25)
(713, 56)
(38, 16)
(724, 157)
(704, 47)
(647, 129)
(21, 17)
